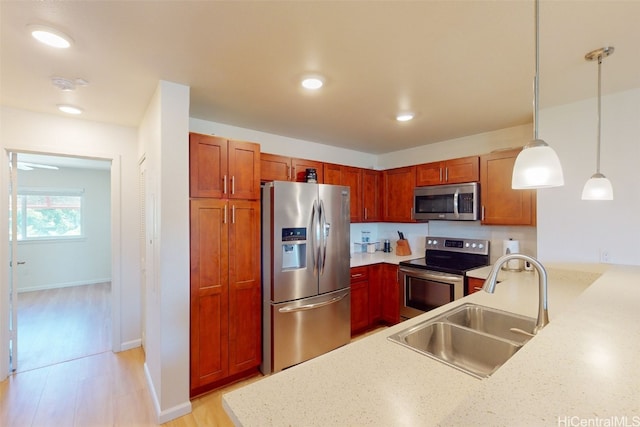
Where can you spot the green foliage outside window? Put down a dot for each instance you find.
(42, 216)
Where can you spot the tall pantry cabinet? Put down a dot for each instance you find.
(225, 260)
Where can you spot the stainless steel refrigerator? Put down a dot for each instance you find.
(305, 272)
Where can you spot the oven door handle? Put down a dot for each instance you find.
(424, 275)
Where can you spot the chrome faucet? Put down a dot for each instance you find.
(490, 285)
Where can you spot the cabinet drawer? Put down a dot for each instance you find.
(359, 274)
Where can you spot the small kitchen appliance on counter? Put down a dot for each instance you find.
(439, 277)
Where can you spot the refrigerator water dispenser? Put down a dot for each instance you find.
(294, 256)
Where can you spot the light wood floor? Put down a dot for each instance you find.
(106, 389)
(57, 325)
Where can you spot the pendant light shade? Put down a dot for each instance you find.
(537, 165)
(598, 187)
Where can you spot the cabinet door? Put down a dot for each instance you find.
(332, 173)
(466, 169)
(359, 299)
(352, 178)
(207, 165)
(244, 170)
(299, 167)
(274, 168)
(474, 285)
(429, 174)
(399, 184)
(502, 205)
(209, 291)
(390, 294)
(371, 195)
(375, 295)
(244, 286)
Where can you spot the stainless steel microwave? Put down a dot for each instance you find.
(453, 202)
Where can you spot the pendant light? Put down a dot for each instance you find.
(598, 187)
(537, 165)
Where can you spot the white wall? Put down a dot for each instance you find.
(461, 147)
(44, 133)
(87, 260)
(573, 230)
(285, 146)
(164, 140)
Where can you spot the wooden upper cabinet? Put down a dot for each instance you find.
(300, 166)
(502, 205)
(371, 195)
(352, 178)
(221, 168)
(207, 165)
(274, 168)
(244, 170)
(332, 174)
(398, 186)
(454, 171)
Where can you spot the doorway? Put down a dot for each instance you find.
(62, 291)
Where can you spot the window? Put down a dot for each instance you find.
(49, 214)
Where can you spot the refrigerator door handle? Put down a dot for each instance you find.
(291, 309)
(324, 229)
(315, 238)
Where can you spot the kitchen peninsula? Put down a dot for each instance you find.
(582, 366)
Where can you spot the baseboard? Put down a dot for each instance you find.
(64, 285)
(128, 345)
(169, 414)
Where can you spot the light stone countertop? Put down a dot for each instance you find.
(583, 364)
(359, 259)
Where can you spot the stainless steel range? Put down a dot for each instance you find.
(439, 277)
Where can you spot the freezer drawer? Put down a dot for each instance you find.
(309, 327)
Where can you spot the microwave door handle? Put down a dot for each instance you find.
(456, 212)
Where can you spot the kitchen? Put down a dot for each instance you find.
(562, 222)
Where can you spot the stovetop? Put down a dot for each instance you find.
(452, 255)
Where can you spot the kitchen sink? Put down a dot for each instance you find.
(492, 321)
(472, 338)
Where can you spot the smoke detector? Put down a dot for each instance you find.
(68, 85)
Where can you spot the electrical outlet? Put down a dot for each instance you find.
(605, 256)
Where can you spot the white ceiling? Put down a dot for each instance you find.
(464, 67)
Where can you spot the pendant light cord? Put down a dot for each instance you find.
(536, 83)
(599, 110)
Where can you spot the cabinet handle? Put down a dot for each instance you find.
(483, 212)
(446, 174)
(224, 219)
(411, 214)
(477, 288)
(353, 276)
(224, 184)
(233, 184)
(288, 173)
(365, 213)
(233, 214)
(440, 174)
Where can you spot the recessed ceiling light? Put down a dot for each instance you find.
(50, 37)
(312, 82)
(404, 117)
(69, 109)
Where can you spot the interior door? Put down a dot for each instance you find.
(13, 264)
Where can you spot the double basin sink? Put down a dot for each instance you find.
(472, 338)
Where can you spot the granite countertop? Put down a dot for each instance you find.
(583, 364)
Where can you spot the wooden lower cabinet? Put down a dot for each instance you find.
(359, 299)
(225, 291)
(374, 296)
(474, 285)
(390, 294)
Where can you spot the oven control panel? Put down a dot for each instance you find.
(454, 244)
